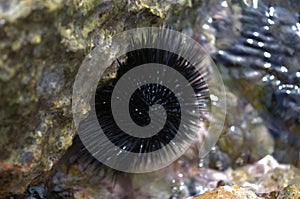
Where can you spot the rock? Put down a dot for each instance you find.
(266, 175)
(262, 178)
(245, 137)
(237, 192)
(230, 192)
(42, 45)
(261, 57)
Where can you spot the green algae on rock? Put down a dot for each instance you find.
(42, 44)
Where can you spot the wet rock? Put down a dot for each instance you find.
(290, 192)
(218, 160)
(264, 179)
(230, 192)
(257, 45)
(236, 192)
(35, 192)
(245, 138)
(42, 45)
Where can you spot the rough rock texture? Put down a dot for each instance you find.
(236, 192)
(42, 45)
(258, 47)
(264, 179)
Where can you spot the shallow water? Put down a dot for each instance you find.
(255, 46)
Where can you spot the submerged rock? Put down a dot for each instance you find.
(264, 179)
(256, 46)
(42, 45)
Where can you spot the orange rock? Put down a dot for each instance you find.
(228, 192)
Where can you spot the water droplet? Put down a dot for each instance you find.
(250, 41)
(260, 44)
(267, 65)
(256, 34)
(267, 54)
